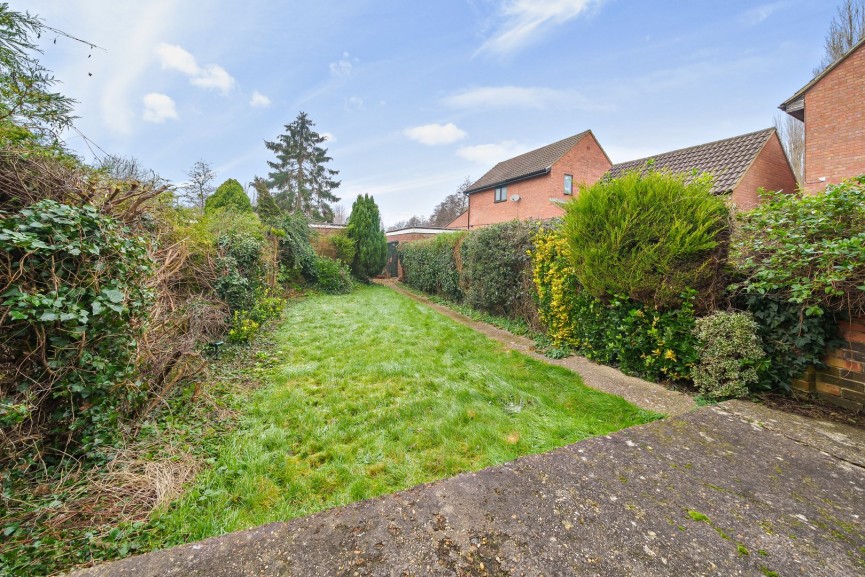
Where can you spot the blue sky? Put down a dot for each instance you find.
(418, 95)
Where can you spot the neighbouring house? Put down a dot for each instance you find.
(832, 106)
(393, 268)
(740, 165)
(534, 184)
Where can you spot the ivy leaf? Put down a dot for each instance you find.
(96, 307)
(114, 295)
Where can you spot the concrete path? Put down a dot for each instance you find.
(711, 492)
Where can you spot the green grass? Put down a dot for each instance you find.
(373, 393)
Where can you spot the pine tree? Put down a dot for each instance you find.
(364, 228)
(266, 207)
(299, 176)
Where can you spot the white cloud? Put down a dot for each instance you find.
(534, 97)
(491, 154)
(433, 134)
(174, 57)
(214, 76)
(760, 13)
(259, 100)
(353, 104)
(523, 21)
(158, 108)
(342, 67)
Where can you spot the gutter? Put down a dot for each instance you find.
(540, 172)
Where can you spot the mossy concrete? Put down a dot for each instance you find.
(715, 491)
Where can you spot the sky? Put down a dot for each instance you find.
(416, 96)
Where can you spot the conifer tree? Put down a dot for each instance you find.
(299, 176)
(364, 228)
(266, 207)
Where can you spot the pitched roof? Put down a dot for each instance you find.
(795, 105)
(533, 163)
(727, 160)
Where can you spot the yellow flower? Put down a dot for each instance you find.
(670, 355)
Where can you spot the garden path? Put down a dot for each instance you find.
(646, 395)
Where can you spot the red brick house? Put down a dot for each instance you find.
(740, 165)
(832, 106)
(533, 185)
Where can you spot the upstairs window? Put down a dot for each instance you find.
(569, 184)
(501, 194)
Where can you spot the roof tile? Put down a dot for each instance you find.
(529, 163)
(727, 160)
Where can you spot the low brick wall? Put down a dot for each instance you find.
(842, 382)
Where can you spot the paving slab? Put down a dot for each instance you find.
(711, 492)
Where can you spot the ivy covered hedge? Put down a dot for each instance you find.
(72, 313)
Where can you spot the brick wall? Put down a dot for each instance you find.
(460, 223)
(770, 170)
(842, 382)
(320, 240)
(586, 162)
(835, 124)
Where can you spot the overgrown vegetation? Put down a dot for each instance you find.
(114, 291)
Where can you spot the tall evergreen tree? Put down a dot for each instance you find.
(299, 175)
(364, 228)
(266, 207)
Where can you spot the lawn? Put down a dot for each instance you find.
(371, 393)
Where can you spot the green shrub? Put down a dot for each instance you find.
(639, 339)
(807, 250)
(295, 250)
(332, 276)
(343, 247)
(243, 327)
(72, 311)
(431, 265)
(240, 260)
(496, 269)
(230, 195)
(649, 237)
(731, 355)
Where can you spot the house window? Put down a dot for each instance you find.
(569, 184)
(501, 194)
